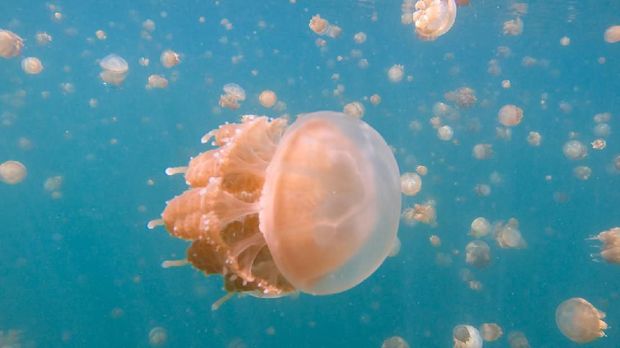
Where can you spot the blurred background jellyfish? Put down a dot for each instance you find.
(114, 69)
(433, 18)
(233, 94)
(478, 253)
(12, 172)
(466, 336)
(580, 321)
(508, 235)
(313, 207)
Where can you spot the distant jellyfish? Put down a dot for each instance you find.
(517, 339)
(410, 184)
(534, 138)
(582, 172)
(612, 34)
(478, 253)
(158, 336)
(464, 97)
(169, 58)
(513, 27)
(115, 69)
(580, 321)
(422, 170)
(375, 99)
(233, 94)
(433, 18)
(359, 37)
(424, 213)
(610, 250)
(445, 133)
(508, 235)
(482, 190)
(43, 38)
(313, 207)
(32, 65)
(318, 25)
(12, 172)
(575, 150)
(354, 109)
(602, 129)
(156, 81)
(435, 241)
(480, 227)
(395, 73)
(10, 44)
(510, 115)
(565, 41)
(466, 336)
(395, 342)
(491, 332)
(267, 98)
(101, 35)
(599, 144)
(482, 151)
(602, 117)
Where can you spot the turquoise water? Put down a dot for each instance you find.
(79, 268)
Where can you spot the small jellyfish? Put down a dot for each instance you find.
(101, 35)
(610, 250)
(424, 213)
(354, 109)
(395, 342)
(422, 170)
(169, 58)
(43, 38)
(482, 151)
(575, 150)
(433, 18)
(602, 117)
(445, 133)
(410, 184)
(32, 65)
(115, 69)
(534, 138)
(12, 172)
(375, 99)
(466, 336)
(464, 97)
(359, 38)
(602, 130)
(513, 27)
(478, 253)
(435, 241)
(598, 144)
(510, 115)
(582, 172)
(508, 236)
(158, 336)
(267, 98)
(10, 44)
(480, 227)
(517, 339)
(318, 25)
(579, 320)
(235, 91)
(612, 34)
(565, 41)
(491, 332)
(156, 81)
(395, 73)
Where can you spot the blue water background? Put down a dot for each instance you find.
(67, 264)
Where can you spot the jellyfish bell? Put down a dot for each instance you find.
(580, 321)
(114, 63)
(12, 172)
(313, 207)
(433, 18)
(466, 336)
(478, 253)
(10, 44)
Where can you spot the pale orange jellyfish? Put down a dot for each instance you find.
(313, 207)
(610, 250)
(10, 44)
(12, 172)
(433, 18)
(579, 320)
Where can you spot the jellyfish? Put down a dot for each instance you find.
(395, 73)
(395, 342)
(10, 44)
(517, 339)
(466, 336)
(32, 65)
(510, 115)
(508, 235)
(12, 172)
(268, 98)
(575, 150)
(433, 18)
(410, 184)
(115, 69)
(464, 97)
(478, 253)
(480, 227)
(612, 34)
(579, 320)
(156, 81)
(491, 332)
(313, 207)
(354, 109)
(169, 58)
(610, 250)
